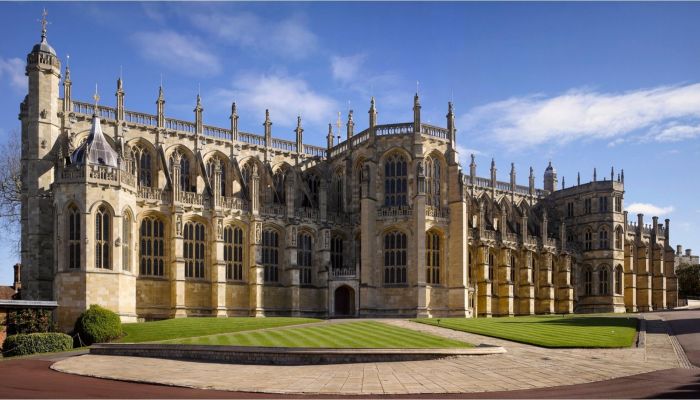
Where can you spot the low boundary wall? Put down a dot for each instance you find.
(283, 355)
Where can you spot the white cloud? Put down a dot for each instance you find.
(288, 37)
(12, 70)
(185, 54)
(676, 133)
(285, 97)
(649, 209)
(346, 68)
(585, 114)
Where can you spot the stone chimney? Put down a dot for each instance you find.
(17, 283)
(688, 252)
(679, 250)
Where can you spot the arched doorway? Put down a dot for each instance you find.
(344, 301)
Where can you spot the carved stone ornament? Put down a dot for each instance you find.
(327, 239)
(293, 239)
(178, 225)
(258, 232)
(220, 229)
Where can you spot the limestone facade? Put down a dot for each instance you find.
(196, 220)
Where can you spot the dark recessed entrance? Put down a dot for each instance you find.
(344, 301)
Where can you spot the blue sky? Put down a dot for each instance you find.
(583, 84)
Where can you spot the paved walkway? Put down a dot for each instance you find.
(523, 367)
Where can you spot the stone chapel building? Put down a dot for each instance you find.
(154, 217)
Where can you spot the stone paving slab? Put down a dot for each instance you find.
(522, 367)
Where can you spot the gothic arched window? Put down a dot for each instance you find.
(194, 245)
(618, 279)
(432, 258)
(338, 191)
(588, 239)
(211, 168)
(395, 181)
(587, 281)
(304, 257)
(152, 247)
(336, 252)
(73, 238)
(603, 284)
(233, 253)
(603, 238)
(278, 181)
(141, 166)
(270, 255)
(432, 181)
(185, 174)
(126, 242)
(618, 238)
(312, 183)
(103, 238)
(395, 258)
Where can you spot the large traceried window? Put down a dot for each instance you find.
(194, 246)
(152, 247)
(73, 238)
(103, 238)
(603, 284)
(432, 181)
(395, 258)
(395, 181)
(432, 258)
(211, 168)
(233, 253)
(336, 252)
(141, 166)
(270, 255)
(279, 180)
(304, 257)
(313, 183)
(126, 242)
(603, 238)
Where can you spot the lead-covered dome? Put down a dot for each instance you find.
(95, 150)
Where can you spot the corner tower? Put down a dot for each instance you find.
(40, 130)
(550, 178)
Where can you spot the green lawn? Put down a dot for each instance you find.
(189, 327)
(365, 334)
(549, 331)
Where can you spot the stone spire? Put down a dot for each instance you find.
(493, 172)
(416, 113)
(622, 175)
(452, 131)
(67, 89)
(595, 175)
(329, 137)
(120, 99)
(472, 168)
(612, 173)
(512, 176)
(372, 113)
(299, 135)
(532, 181)
(160, 106)
(234, 121)
(268, 128)
(578, 178)
(198, 110)
(350, 125)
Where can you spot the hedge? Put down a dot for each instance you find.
(98, 325)
(23, 344)
(29, 320)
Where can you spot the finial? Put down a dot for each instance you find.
(234, 109)
(450, 109)
(563, 182)
(44, 23)
(532, 171)
(267, 115)
(472, 158)
(67, 67)
(371, 103)
(298, 120)
(96, 97)
(350, 115)
(417, 83)
(612, 173)
(512, 167)
(493, 163)
(578, 178)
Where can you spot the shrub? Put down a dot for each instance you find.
(689, 280)
(29, 320)
(98, 325)
(23, 344)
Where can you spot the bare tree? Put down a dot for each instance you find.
(11, 188)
